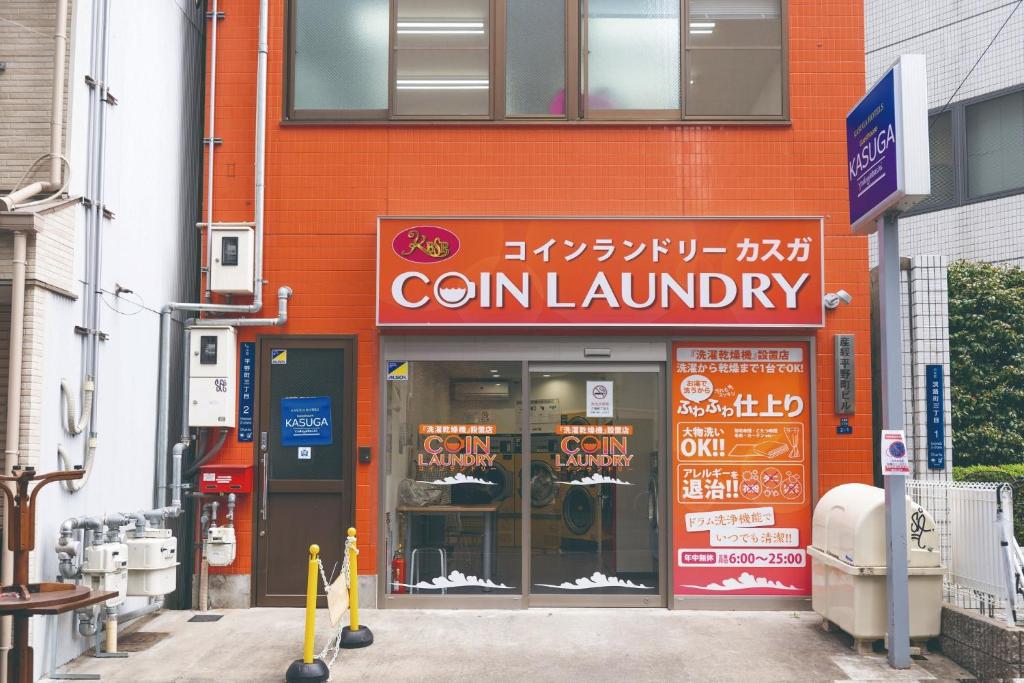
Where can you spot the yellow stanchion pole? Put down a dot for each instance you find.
(307, 645)
(354, 635)
(308, 668)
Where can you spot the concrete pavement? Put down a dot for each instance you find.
(532, 645)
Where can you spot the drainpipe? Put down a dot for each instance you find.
(212, 135)
(53, 183)
(284, 293)
(12, 445)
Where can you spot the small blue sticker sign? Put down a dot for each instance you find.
(844, 427)
(247, 368)
(306, 421)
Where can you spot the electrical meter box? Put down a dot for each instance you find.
(152, 562)
(105, 558)
(213, 376)
(220, 546)
(231, 268)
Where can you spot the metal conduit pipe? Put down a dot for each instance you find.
(283, 295)
(231, 509)
(86, 621)
(205, 458)
(210, 149)
(160, 495)
(164, 393)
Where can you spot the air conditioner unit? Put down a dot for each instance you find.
(467, 391)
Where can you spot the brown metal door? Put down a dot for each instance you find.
(305, 492)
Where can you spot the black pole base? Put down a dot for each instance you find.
(361, 637)
(314, 671)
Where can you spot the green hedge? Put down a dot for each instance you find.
(1013, 474)
(986, 349)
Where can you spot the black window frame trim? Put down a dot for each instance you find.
(958, 127)
(575, 62)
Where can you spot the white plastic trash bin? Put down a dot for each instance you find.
(848, 564)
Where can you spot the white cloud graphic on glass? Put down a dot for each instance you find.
(744, 582)
(595, 580)
(596, 479)
(459, 478)
(455, 580)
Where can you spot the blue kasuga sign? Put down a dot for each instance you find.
(306, 421)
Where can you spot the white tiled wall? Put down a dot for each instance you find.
(955, 37)
(924, 317)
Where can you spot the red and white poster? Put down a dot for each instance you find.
(741, 414)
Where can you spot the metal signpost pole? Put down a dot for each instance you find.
(892, 418)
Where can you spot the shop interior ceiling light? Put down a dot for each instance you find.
(440, 27)
(442, 84)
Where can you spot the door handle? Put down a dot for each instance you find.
(263, 493)
(266, 478)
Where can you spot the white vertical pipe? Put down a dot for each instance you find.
(212, 134)
(60, 44)
(12, 443)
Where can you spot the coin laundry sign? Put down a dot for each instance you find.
(748, 272)
(306, 421)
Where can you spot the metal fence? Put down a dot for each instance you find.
(974, 520)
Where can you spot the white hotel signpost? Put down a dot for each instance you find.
(889, 171)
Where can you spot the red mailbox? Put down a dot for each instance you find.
(225, 478)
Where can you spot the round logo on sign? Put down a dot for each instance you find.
(897, 449)
(600, 391)
(696, 388)
(425, 244)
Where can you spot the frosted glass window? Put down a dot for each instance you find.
(940, 147)
(442, 58)
(341, 54)
(995, 145)
(535, 59)
(632, 55)
(734, 58)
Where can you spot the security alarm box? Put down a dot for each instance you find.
(231, 267)
(212, 377)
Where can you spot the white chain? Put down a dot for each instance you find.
(333, 646)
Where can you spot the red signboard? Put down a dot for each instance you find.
(736, 272)
(741, 414)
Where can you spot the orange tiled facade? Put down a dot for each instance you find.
(327, 184)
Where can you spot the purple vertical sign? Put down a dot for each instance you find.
(872, 151)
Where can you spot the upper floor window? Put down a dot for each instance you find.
(643, 60)
(977, 151)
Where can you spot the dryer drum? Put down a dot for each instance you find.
(578, 510)
(543, 488)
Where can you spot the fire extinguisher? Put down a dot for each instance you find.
(398, 572)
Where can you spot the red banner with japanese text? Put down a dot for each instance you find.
(741, 414)
(685, 272)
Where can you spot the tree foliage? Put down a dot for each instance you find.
(986, 344)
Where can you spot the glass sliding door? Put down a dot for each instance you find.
(595, 440)
(453, 447)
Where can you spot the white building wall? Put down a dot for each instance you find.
(953, 35)
(149, 247)
(963, 62)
